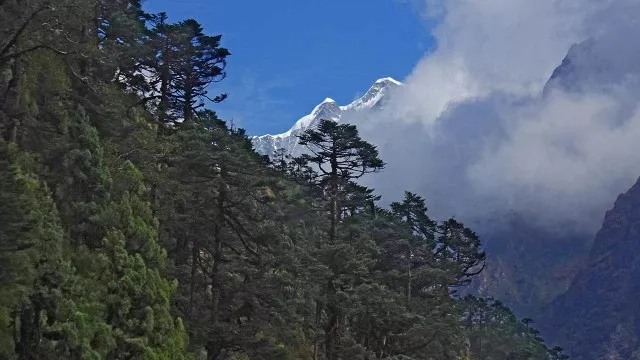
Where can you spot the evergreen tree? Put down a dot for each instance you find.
(495, 333)
(179, 65)
(201, 62)
(136, 224)
(36, 314)
(339, 155)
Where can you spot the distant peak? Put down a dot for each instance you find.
(388, 80)
(327, 103)
(327, 108)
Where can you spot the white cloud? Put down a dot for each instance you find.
(470, 131)
(566, 158)
(491, 45)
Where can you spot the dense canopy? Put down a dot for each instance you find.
(136, 224)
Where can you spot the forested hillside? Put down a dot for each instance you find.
(136, 224)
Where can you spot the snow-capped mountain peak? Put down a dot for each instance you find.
(328, 109)
(374, 95)
(388, 80)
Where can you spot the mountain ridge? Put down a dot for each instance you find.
(597, 315)
(328, 109)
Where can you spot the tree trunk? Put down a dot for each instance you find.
(13, 136)
(11, 101)
(155, 202)
(214, 347)
(333, 189)
(409, 288)
(331, 330)
(318, 319)
(331, 338)
(187, 109)
(163, 109)
(192, 280)
(83, 62)
(29, 332)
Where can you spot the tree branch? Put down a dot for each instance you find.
(6, 58)
(21, 29)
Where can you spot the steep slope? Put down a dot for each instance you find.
(598, 317)
(372, 100)
(600, 313)
(529, 266)
(521, 272)
(595, 65)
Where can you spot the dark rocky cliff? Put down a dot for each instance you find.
(600, 312)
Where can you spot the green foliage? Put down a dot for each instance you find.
(495, 333)
(127, 234)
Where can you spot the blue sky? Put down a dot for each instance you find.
(288, 55)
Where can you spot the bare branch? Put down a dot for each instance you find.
(6, 58)
(21, 29)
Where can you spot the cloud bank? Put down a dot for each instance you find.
(472, 132)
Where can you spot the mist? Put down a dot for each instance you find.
(473, 133)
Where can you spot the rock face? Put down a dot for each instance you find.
(596, 65)
(582, 68)
(600, 313)
(374, 99)
(521, 272)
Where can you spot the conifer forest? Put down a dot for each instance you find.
(137, 224)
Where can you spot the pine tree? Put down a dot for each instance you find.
(495, 332)
(42, 313)
(136, 224)
(179, 65)
(218, 208)
(201, 62)
(339, 155)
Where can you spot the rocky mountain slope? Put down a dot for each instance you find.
(521, 271)
(600, 314)
(596, 65)
(524, 274)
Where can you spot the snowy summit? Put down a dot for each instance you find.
(328, 109)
